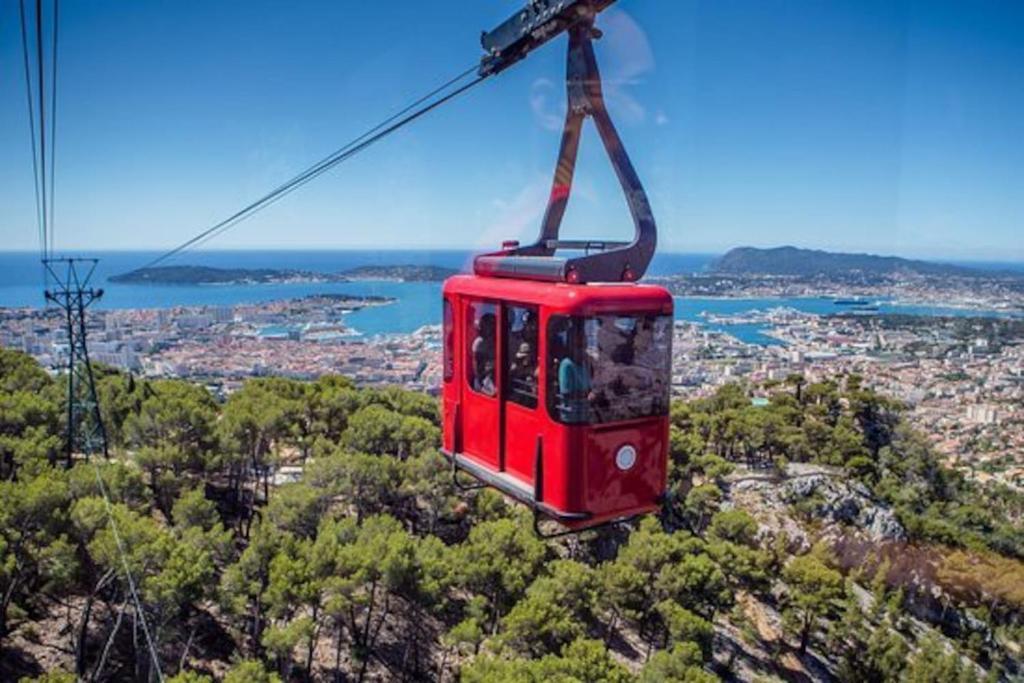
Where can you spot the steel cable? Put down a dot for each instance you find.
(32, 132)
(53, 126)
(397, 120)
(41, 93)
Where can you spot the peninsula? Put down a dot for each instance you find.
(404, 273)
(785, 272)
(206, 275)
(796, 262)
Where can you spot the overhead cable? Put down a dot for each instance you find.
(32, 132)
(41, 65)
(53, 125)
(41, 94)
(386, 127)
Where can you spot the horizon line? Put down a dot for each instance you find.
(699, 252)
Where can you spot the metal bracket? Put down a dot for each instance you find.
(459, 485)
(539, 516)
(534, 499)
(529, 28)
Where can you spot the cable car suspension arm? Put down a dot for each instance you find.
(615, 261)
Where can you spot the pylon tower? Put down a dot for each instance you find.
(71, 292)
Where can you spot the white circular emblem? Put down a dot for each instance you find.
(625, 458)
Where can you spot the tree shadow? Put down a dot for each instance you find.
(16, 663)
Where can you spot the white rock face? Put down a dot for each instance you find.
(843, 501)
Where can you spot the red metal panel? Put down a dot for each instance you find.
(613, 492)
(479, 412)
(522, 426)
(450, 386)
(565, 298)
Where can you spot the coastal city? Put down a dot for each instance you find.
(990, 291)
(962, 379)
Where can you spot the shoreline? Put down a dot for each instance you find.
(758, 301)
(994, 310)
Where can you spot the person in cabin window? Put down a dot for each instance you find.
(575, 389)
(483, 354)
(522, 339)
(523, 372)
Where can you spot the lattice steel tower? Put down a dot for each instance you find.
(71, 292)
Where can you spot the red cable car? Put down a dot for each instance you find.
(557, 363)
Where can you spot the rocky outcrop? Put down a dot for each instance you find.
(836, 498)
(827, 493)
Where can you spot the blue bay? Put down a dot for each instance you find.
(417, 303)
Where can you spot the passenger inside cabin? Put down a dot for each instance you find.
(523, 370)
(483, 350)
(609, 368)
(574, 375)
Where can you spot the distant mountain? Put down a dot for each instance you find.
(205, 275)
(810, 262)
(405, 273)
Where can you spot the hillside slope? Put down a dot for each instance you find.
(793, 261)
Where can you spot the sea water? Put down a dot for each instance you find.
(417, 303)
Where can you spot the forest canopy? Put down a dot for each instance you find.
(310, 531)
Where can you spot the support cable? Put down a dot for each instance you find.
(41, 93)
(128, 573)
(393, 123)
(53, 125)
(32, 131)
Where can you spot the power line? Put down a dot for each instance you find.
(315, 172)
(42, 133)
(41, 92)
(32, 131)
(53, 124)
(397, 120)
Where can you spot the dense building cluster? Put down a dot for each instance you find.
(961, 387)
(302, 338)
(996, 292)
(962, 380)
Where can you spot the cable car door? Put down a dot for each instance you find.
(520, 387)
(481, 412)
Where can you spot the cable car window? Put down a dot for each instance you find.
(449, 341)
(521, 355)
(481, 322)
(608, 368)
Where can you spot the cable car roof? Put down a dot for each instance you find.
(568, 298)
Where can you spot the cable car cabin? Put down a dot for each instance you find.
(557, 365)
(558, 394)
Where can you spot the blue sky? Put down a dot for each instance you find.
(891, 127)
